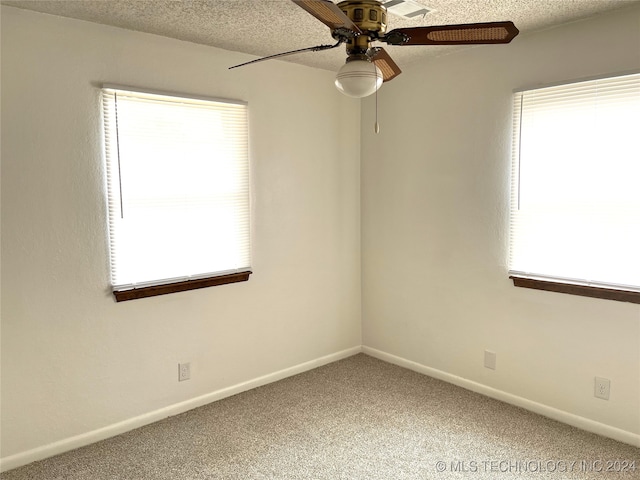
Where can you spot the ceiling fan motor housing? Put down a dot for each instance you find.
(371, 18)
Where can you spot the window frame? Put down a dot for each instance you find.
(166, 286)
(582, 290)
(569, 286)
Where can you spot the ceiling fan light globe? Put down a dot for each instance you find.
(358, 78)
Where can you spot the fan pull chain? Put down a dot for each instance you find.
(376, 127)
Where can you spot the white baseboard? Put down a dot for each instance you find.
(88, 438)
(539, 408)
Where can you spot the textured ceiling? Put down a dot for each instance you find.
(266, 27)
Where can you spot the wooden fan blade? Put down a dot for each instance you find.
(465, 34)
(387, 66)
(328, 13)
(292, 52)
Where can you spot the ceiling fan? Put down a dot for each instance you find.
(358, 23)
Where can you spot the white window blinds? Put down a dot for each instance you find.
(575, 204)
(178, 187)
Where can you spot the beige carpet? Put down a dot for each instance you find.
(359, 418)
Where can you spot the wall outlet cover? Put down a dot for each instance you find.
(184, 371)
(602, 388)
(490, 359)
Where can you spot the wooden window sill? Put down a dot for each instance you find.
(575, 289)
(143, 292)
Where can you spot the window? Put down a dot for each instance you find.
(575, 204)
(178, 192)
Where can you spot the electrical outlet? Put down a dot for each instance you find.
(602, 388)
(184, 371)
(490, 359)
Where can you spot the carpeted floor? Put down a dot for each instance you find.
(359, 418)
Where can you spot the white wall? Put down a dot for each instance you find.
(73, 360)
(435, 186)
